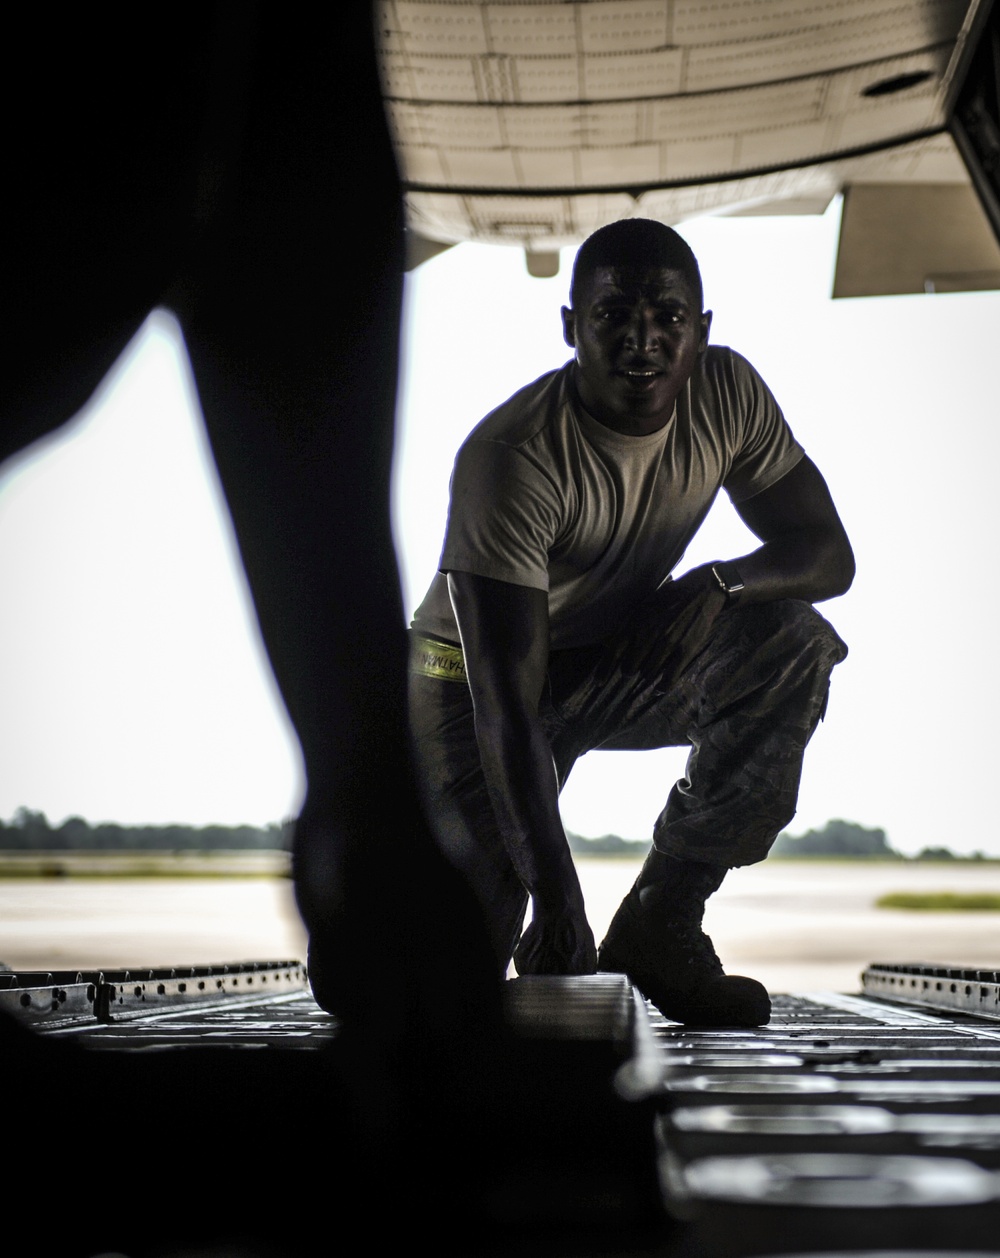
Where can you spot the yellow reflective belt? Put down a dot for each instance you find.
(436, 659)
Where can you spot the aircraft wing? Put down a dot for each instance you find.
(532, 124)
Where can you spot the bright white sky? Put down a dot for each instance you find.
(132, 684)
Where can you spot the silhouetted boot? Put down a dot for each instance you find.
(657, 940)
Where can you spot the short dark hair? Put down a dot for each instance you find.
(635, 242)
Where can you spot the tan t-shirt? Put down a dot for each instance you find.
(543, 495)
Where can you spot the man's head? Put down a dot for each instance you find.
(635, 322)
(636, 243)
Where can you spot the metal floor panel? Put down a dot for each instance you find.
(847, 1123)
(291, 1021)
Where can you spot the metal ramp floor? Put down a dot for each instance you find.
(849, 1124)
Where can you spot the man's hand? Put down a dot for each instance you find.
(556, 943)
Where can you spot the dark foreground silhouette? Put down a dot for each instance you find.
(236, 168)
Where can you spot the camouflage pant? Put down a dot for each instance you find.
(747, 704)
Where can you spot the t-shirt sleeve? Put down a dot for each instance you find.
(765, 448)
(503, 516)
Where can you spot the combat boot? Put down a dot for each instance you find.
(657, 940)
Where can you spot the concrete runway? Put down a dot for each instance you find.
(797, 926)
(63, 923)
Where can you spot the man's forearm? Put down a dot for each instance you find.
(805, 553)
(807, 565)
(504, 630)
(521, 779)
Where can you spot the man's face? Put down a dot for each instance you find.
(637, 333)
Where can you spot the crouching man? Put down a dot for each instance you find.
(554, 627)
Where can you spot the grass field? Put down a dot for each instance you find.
(214, 864)
(940, 901)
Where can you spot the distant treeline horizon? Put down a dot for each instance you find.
(29, 831)
(844, 839)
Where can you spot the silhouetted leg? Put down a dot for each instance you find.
(240, 171)
(291, 320)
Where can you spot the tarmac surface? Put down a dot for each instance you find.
(795, 925)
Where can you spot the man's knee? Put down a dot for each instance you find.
(771, 658)
(795, 630)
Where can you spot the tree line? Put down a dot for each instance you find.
(847, 838)
(29, 831)
(836, 838)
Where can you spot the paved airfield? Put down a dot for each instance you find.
(797, 926)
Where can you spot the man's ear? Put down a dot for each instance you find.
(569, 326)
(706, 324)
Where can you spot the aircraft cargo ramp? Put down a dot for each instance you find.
(854, 1124)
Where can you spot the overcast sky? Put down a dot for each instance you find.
(132, 682)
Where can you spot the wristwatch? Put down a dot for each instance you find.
(729, 579)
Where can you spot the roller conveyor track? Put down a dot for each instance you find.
(850, 1123)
